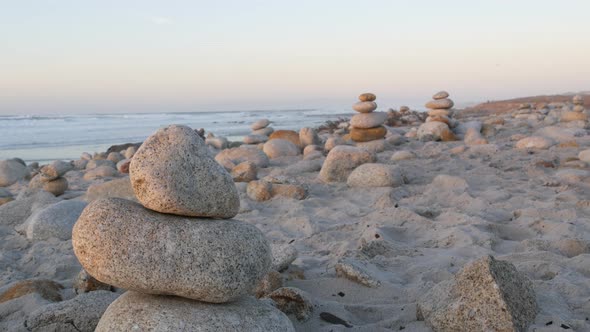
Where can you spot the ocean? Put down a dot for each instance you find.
(65, 137)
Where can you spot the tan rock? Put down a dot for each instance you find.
(47, 289)
(56, 187)
(276, 148)
(367, 97)
(570, 116)
(260, 124)
(375, 175)
(288, 135)
(439, 112)
(240, 154)
(85, 283)
(259, 190)
(244, 172)
(293, 301)
(368, 120)
(440, 95)
(271, 282)
(308, 136)
(289, 191)
(120, 188)
(440, 104)
(439, 131)
(365, 135)
(365, 106)
(100, 172)
(342, 160)
(534, 142)
(439, 118)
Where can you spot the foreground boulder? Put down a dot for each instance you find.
(487, 295)
(172, 172)
(117, 242)
(169, 313)
(342, 160)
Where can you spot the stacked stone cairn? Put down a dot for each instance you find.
(439, 121)
(186, 265)
(367, 125)
(577, 113)
(260, 132)
(50, 177)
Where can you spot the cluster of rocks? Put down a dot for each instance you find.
(260, 132)
(367, 125)
(439, 121)
(575, 113)
(405, 117)
(50, 177)
(180, 268)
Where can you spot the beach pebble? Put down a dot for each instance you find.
(486, 295)
(168, 313)
(120, 188)
(100, 172)
(368, 120)
(440, 95)
(440, 104)
(375, 146)
(86, 156)
(571, 116)
(474, 137)
(255, 139)
(448, 183)
(172, 172)
(17, 211)
(367, 97)
(85, 283)
(244, 172)
(375, 175)
(92, 164)
(99, 156)
(238, 155)
(403, 155)
(129, 152)
(259, 190)
(262, 123)
(293, 301)
(276, 148)
(342, 160)
(435, 130)
(288, 191)
(115, 157)
(219, 143)
(80, 164)
(439, 118)
(123, 166)
(10, 172)
(264, 131)
(56, 169)
(271, 281)
(308, 136)
(333, 141)
(366, 135)
(534, 142)
(312, 148)
(365, 106)
(82, 312)
(354, 271)
(54, 221)
(56, 187)
(123, 244)
(282, 256)
(288, 135)
(47, 289)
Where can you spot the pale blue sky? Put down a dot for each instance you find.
(136, 56)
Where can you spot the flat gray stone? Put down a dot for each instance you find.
(169, 313)
(172, 172)
(54, 221)
(10, 172)
(123, 244)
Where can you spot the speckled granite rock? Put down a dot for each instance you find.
(342, 160)
(123, 244)
(168, 313)
(172, 172)
(375, 175)
(486, 295)
(368, 120)
(238, 155)
(293, 301)
(365, 106)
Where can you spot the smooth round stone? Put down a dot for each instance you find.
(308, 136)
(375, 175)
(579, 108)
(100, 172)
(121, 243)
(10, 172)
(403, 155)
(277, 148)
(262, 123)
(342, 160)
(440, 95)
(367, 97)
(439, 112)
(439, 118)
(255, 139)
(240, 154)
(173, 172)
(264, 131)
(365, 135)
(365, 106)
(54, 221)
(289, 135)
(368, 120)
(440, 104)
(570, 116)
(134, 311)
(56, 187)
(56, 169)
(439, 131)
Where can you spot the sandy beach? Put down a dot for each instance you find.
(365, 228)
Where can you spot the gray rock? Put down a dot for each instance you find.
(365, 106)
(100, 172)
(10, 172)
(219, 143)
(120, 188)
(54, 221)
(86, 156)
(92, 164)
(169, 313)
(486, 295)
(277, 148)
(356, 272)
(342, 160)
(80, 314)
(308, 136)
(115, 157)
(172, 172)
(238, 155)
(282, 256)
(440, 95)
(375, 175)
(403, 155)
(255, 139)
(56, 169)
(80, 164)
(368, 120)
(264, 131)
(260, 124)
(19, 210)
(123, 244)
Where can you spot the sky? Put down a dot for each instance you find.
(175, 56)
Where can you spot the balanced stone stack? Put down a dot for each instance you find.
(177, 253)
(577, 113)
(367, 125)
(50, 177)
(260, 132)
(439, 121)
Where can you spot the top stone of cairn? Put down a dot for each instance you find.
(440, 95)
(172, 172)
(367, 97)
